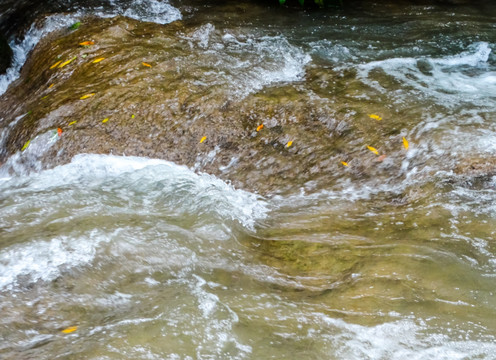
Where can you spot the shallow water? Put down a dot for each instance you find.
(387, 259)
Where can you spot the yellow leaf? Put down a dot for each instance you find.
(374, 150)
(203, 139)
(55, 65)
(51, 86)
(97, 60)
(26, 145)
(87, 43)
(405, 143)
(44, 97)
(69, 330)
(105, 120)
(132, 116)
(289, 143)
(375, 117)
(86, 96)
(67, 62)
(260, 127)
(146, 64)
(344, 163)
(72, 123)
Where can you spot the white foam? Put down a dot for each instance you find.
(35, 261)
(403, 339)
(443, 78)
(245, 63)
(179, 187)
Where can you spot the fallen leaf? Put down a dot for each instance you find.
(405, 143)
(69, 329)
(51, 86)
(72, 123)
(26, 145)
(375, 117)
(75, 26)
(289, 143)
(67, 62)
(146, 64)
(44, 97)
(203, 139)
(96, 61)
(381, 158)
(260, 127)
(87, 43)
(59, 131)
(86, 96)
(55, 65)
(344, 163)
(132, 116)
(105, 120)
(374, 150)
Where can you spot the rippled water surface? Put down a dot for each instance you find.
(391, 257)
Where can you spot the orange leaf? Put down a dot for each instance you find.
(59, 131)
(87, 43)
(55, 65)
(374, 150)
(69, 330)
(405, 143)
(146, 64)
(260, 127)
(344, 163)
(86, 96)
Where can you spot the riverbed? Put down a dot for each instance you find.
(358, 222)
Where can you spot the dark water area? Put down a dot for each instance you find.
(146, 213)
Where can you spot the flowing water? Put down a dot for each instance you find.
(388, 258)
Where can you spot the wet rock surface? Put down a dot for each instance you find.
(161, 88)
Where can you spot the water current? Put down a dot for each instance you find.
(153, 260)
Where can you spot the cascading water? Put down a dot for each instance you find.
(343, 254)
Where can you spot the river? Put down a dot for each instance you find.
(339, 254)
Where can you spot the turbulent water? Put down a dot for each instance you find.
(152, 260)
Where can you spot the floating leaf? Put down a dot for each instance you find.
(59, 132)
(96, 61)
(146, 64)
(203, 139)
(259, 127)
(289, 143)
(87, 43)
(75, 26)
(374, 150)
(375, 117)
(72, 123)
(344, 163)
(105, 120)
(86, 96)
(55, 65)
(405, 143)
(26, 145)
(67, 62)
(69, 330)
